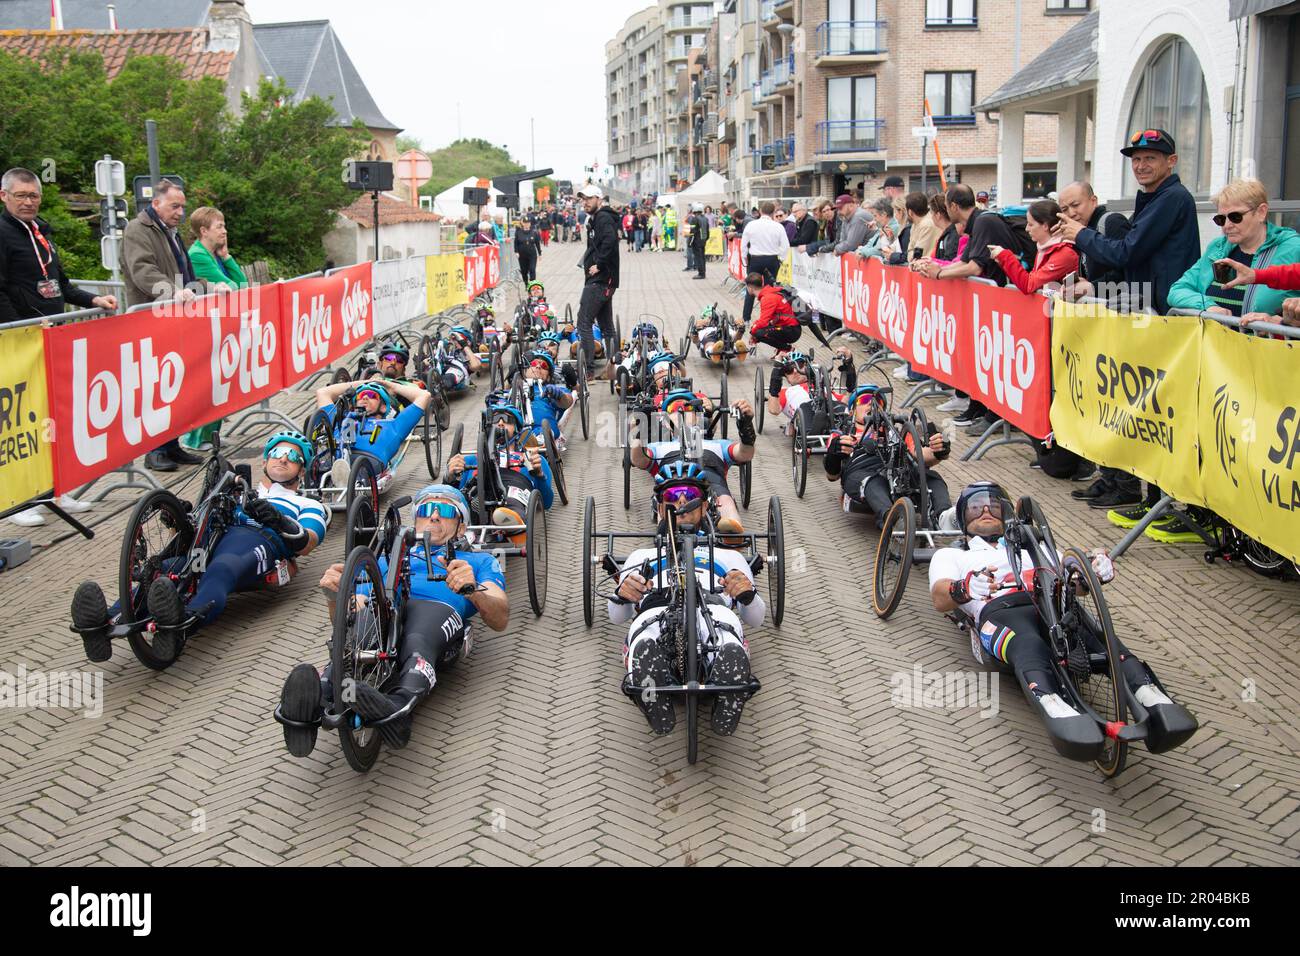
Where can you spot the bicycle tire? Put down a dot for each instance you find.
(360, 745)
(691, 669)
(137, 569)
(538, 553)
(361, 527)
(885, 597)
(776, 555)
(362, 473)
(588, 571)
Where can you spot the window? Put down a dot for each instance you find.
(950, 13)
(1171, 96)
(1068, 6)
(852, 28)
(850, 114)
(951, 97)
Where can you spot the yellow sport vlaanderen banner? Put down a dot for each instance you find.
(1126, 393)
(445, 284)
(713, 244)
(785, 274)
(1250, 435)
(26, 464)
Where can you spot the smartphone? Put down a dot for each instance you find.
(916, 253)
(1223, 273)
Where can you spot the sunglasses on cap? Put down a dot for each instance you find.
(1145, 135)
(286, 451)
(393, 357)
(675, 492)
(1232, 217)
(436, 509)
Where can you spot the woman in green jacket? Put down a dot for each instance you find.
(1248, 238)
(215, 265)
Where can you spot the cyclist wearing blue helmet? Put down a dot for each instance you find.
(643, 601)
(435, 626)
(550, 341)
(379, 427)
(523, 471)
(548, 399)
(271, 531)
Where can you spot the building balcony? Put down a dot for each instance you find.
(850, 41)
(679, 23)
(766, 85)
(773, 156)
(783, 72)
(709, 82)
(849, 136)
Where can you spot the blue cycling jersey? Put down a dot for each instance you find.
(383, 437)
(541, 483)
(485, 566)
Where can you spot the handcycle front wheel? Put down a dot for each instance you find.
(776, 555)
(584, 394)
(799, 454)
(362, 480)
(588, 553)
(760, 400)
(159, 532)
(362, 525)
(361, 620)
(538, 553)
(432, 439)
(1092, 664)
(894, 553)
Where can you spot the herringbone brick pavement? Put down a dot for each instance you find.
(527, 753)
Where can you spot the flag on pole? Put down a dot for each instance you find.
(56, 15)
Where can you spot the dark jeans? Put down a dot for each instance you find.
(699, 258)
(596, 306)
(779, 338)
(528, 267)
(766, 266)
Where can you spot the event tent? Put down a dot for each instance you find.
(710, 189)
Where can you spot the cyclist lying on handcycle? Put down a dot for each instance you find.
(976, 580)
(550, 341)
(643, 596)
(377, 429)
(717, 454)
(547, 399)
(857, 459)
(394, 358)
(524, 471)
(269, 532)
(435, 630)
(788, 387)
(707, 333)
(461, 359)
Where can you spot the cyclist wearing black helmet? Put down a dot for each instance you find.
(975, 579)
(787, 389)
(856, 459)
(642, 602)
(435, 626)
(277, 526)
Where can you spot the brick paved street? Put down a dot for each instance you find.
(527, 752)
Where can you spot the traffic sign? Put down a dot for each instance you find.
(110, 177)
(925, 132)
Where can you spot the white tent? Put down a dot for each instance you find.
(710, 189)
(450, 202)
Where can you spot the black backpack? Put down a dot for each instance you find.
(1025, 248)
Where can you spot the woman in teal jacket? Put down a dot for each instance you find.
(1249, 238)
(214, 264)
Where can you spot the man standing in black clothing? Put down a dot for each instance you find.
(699, 236)
(600, 277)
(528, 249)
(32, 281)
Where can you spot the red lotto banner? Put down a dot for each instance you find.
(992, 343)
(482, 270)
(324, 318)
(123, 385)
(735, 267)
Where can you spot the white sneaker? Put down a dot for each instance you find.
(31, 518)
(900, 373)
(72, 505)
(954, 404)
(1149, 695)
(339, 472)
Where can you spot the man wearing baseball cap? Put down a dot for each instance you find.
(1164, 241)
(600, 276)
(893, 188)
(857, 225)
(982, 199)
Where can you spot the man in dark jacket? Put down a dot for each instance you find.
(528, 249)
(600, 277)
(1164, 241)
(699, 236)
(32, 280)
(805, 226)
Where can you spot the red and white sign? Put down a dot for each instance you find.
(990, 342)
(123, 385)
(735, 267)
(482, 270)
(325, 318)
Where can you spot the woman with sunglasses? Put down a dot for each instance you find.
(975, 579)
(271, 531)
(435, 626)
(1250, 244)
(640, 602)
(857, 459)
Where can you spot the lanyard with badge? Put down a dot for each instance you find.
(47, 287)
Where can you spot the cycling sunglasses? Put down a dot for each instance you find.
(393, 357)
(436, 509)
(998, 508)
(1232, 217)
(286, 451)
(370, 392)
(539, 363)
(675, 492)
(866, 397)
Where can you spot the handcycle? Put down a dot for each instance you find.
(815, 419)
(366, 362)
(1076, 621)
(166, 536)
(727, 338)
(366, 638)
(333, 438)
(680, 630)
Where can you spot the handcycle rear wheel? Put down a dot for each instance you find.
(588, 572)
(1096, 682)
(893, 558)
(584, 394)
(746, 483)
(359, 630)
(724, 406)
(691, 668)
(159, 530)
(538, 553)
(776, 555)
(552, 453)
(362, 474)
(760, 400)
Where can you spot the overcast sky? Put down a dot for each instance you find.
(503, 61)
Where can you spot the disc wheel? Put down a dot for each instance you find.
(1093, 663)
(775, 556)
(340, 376)
(538, 553)
(360, 623)
(893, 558)
(158, 540)
(588, 553)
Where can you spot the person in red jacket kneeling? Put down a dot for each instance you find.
(776, 324)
